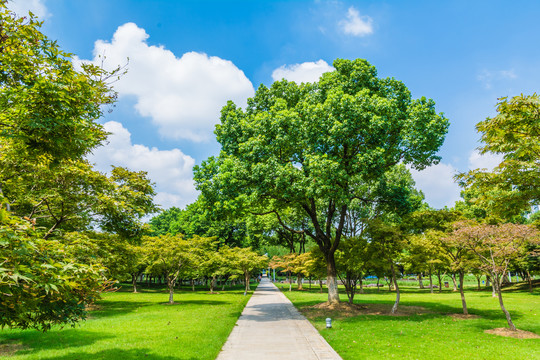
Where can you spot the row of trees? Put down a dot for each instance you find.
(326, 162)
(464, 247)
(67, 231)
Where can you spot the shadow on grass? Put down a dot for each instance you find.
(54, 339)
(114, 308)
(115, 354)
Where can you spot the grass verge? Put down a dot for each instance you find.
(426, 327)
(130, 326)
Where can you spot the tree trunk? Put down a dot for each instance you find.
(440, 280)
(394, 308)
(530, 281)
(290, 281)
(212, 284)
(478, 280)
(320, 286)
(361, 285)
(134, 282)
(331, 279)
(430, 282)
(420, 281)
(299, 282)
(192, 285)
(454, 281)
(499, 293)
(246, 277)
(378, 280)
(461, 292)
(310, 283)
(170, 284)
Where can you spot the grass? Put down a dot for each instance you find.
(432, 334)
(130, 326)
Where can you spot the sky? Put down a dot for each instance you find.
(186, 59)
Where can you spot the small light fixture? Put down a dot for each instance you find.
(328, 323)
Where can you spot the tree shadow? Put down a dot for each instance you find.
(116, 307)
(54, 339)
(115, 354)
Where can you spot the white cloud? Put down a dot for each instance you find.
(437, 183)
(171, 170)
(22, 7)
(484, 161)
(183, 96)
(487, 78)
(304, 72)
(355, 24)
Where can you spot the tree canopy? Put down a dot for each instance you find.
(513, 186)
(315, 148)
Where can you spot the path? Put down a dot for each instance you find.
(270, 327)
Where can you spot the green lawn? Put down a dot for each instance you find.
(129, 326)
(432, 335)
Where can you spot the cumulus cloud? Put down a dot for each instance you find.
(304, 72)
(437, 183)
(355, 24)
(22, 7)
(484, 161)
(182, 95)
(488, 78)
(171, 170)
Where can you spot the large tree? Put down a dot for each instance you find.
(314, 147)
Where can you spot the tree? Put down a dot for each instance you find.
(313, 147)
(48, 113)
(496, 246)
(41, 283)
(352, 260)
(514, 184)
(245, 261)
(199, 218)
(387, 245)
(170, 255)
(460, 260)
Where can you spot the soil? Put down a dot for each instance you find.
(463, 316)
(518, 334)
(10, 348)
(344, 310)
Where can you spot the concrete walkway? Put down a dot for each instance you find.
(270, 327)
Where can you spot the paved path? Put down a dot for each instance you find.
(270, 327)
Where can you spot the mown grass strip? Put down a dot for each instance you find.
(431, 334)
(127, 326)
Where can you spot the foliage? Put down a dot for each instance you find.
(352, 263)
(495, 246)
(513, 185)
(244, 261)
(202, 220)
(315, 147)
(41, 283)
(47, 107)
(49, 193)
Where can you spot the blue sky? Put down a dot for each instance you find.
(187, 58)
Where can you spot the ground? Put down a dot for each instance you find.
(427, 326)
